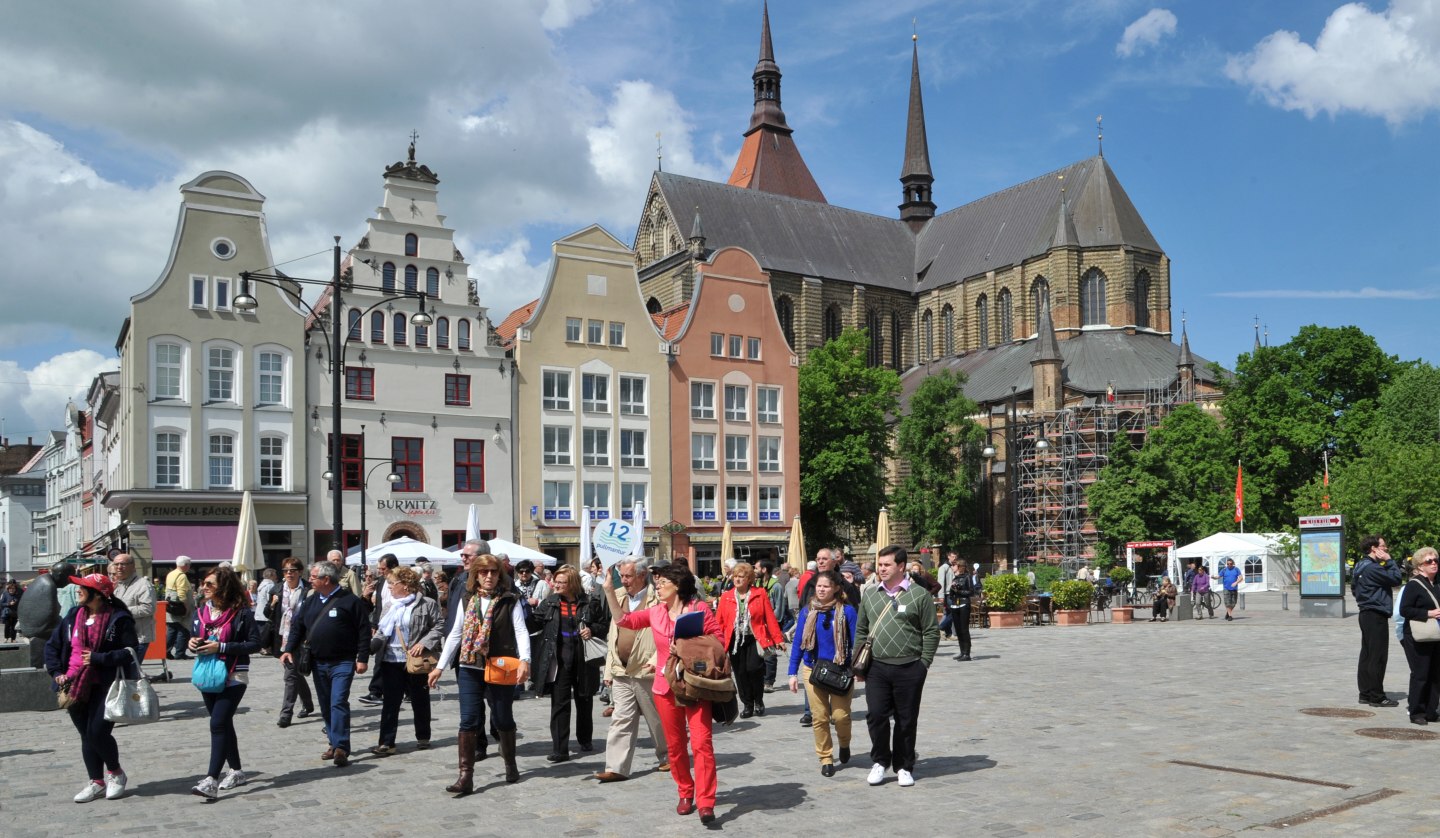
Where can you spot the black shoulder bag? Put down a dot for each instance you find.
(832, 677)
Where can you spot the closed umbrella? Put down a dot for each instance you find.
(585, 549)
(639, 521)
(246, 556)
(882, 531)
(796, 551)
(472, 523)
(727, 544)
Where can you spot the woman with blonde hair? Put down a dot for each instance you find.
(411, 629)
(1420, 602)
(749, 627)
(825, 630)
(567, 619)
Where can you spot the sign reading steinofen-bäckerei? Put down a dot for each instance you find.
(614, 540)
(416, 506)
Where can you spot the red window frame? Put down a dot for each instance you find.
(359, 384)
(408, 455)
(352, 460)
(469, 465)
(457, 389)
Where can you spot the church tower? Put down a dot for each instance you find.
(915, 176)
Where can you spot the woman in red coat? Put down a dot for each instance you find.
(749, 627)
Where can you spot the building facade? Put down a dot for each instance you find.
(22, 499)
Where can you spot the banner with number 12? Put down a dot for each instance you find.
(614, 540)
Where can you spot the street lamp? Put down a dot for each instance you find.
(392, 478)
(245, 302)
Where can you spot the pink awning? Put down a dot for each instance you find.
(201, 542)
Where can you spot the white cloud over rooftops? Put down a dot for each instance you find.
(1147, 32)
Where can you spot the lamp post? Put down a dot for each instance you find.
(392, 478)
(244, 302)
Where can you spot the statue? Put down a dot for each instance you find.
(39, 611)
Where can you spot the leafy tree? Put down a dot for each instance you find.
(941, 445)
(845, 406)
(1410, 406)
(1287, 403)
(1180, 484)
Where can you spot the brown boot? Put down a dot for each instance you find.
(481, 746)
(466, 783)
(507, 753)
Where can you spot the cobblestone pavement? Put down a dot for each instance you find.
(1095, 730)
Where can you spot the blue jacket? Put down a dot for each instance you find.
(824, 637)
(1371, 583)
(112, 655)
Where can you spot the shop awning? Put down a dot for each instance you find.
(208, 542)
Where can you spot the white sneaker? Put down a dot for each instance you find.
(906, 778)
(115, 784)
(232, 779)
(877, 775)
(92, 791)
(206, 788)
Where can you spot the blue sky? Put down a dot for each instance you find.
(1282, 153)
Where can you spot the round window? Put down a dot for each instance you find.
(223, 248)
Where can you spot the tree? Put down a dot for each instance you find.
(1179, 484)
(1286, 404)
(1410, 406)
(941, 445)
(844, 437)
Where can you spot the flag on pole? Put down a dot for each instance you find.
(1325, 499)
(1239, 494)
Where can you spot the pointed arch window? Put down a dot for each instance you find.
(832, 323)
(401, 330)
(947, 330)
(377, 327)
(982, 321)
(442, 333)
(897, 342)
(876, 354)
(1007, 317)
(785, 313)
(387, 277)
(412, 244)
(432, 283)
(412, 278)
(927, 336)
(1142, 300)
(1039, 295)
(1092, 298)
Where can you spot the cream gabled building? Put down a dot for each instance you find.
(592, 400)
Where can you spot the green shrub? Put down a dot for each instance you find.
(1005, 591)
(1073, 595)
(1045, 576)
(1122, 575)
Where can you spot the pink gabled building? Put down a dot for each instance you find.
(734, 383)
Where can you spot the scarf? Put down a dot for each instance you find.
(88, 633)
(742, 618)
(475, 633)
(398, 615)
(808, 643)
(216, 626)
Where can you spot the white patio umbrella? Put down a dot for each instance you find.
(472, 523)
(585, 548)
(407, 550)
(515, 552)
(639, 522)
(246, 556)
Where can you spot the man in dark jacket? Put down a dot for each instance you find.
(957, 608)
(335, 625)
(1371, 581)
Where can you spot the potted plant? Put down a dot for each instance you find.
(1072, 602)
(1122, 577)
(1005, 599)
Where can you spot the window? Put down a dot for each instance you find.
(631, 494)
(717, 345)
(400, 329)
(632, 448)
(617, 334)
(737, 503)
(947, 330)
(702, 400)
(897, 342)
(387, 277)
(557, 500)
(222, 294)
(1039, 295)
(412, 244)
(360, 384)
(408, 455)
(442, 333)
(555, 390)
(572, 329)
(220, 374)
(1254, 570)
(1007, 312)
(785, 312)
(736, 398)
(595, 331)
(432, 282)
(167, 461)
(1142, 300)
(752, 349)
(555, 442)
(1092, 298)
(767, 453)
(272, 378)
(735, 346)
(422, 335)
(982, 321)
(412, 279)
(199, 292)
(469, 465)
(352, 460)
(377, 327)
(166, 382)
(832, 323)
(927, 336)
(767, 404)
(595, 447)
(354, 322)
(462, 334)
(875, 355)
(702, 502)
(769, 503)
(222, 461)
(597, 497)
(457, 390)
(632, 396)
(595, 392)
(737, 452)
(272, 462)
(702, 451)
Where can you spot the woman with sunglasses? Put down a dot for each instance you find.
(224, 626)
(566, 620)
(1420, 601)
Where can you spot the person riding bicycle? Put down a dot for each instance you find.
(1200, 589)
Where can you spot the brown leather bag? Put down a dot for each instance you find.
(699, 670)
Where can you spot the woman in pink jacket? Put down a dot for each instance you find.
(675, 586)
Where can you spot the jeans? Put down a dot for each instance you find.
(395, 684)
(332, 690)
(475, 694)
(224, 746)
(97, 741)
(295, 684)
(177, 637)
(1374, 654)
(893, 690)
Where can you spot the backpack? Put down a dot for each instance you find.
(699, 670)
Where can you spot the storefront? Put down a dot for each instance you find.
(203, 526)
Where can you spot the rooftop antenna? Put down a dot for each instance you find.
(659, 157)
(1100, 133)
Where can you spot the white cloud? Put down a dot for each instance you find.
(1366, 293)
(559, 14)
(40, 393)
(1384, 64)
(1146, 32)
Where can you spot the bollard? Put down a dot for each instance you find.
(1284, 600)
(1242, 600)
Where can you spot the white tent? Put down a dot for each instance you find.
(514, 551)
(406, 549)
(1258, 555)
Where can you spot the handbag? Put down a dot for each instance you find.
(832, 677)
(596, 649)
(64, 699)
(1425, 631)
(303, 661)
(861, 664)
(132, 700)
(502, 670)
(174, 606)
(210, 674)
(421, 664)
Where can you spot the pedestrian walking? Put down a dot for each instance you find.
(1230, 579)
(179, 608)
(411, 632)
(379, 600)
(825, 632)
(285, 600)
(567, 619)
(748, 628)
(10, 608)
(1420, 602)
(1199, 587)
(958, 598)
(261, 602)
(224, 629)
(630, 667)
(1371, 582)
(333, 622)
(138, 595)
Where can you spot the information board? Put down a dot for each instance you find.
(1322, 568)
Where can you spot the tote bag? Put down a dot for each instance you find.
(132, 701)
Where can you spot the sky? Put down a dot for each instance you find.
(1283, 154)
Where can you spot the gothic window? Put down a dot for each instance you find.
(1142, 300)
(982, 321)
(897, 342)
(1007, 320)
(832, 323)
(1039, 294)
(876, 354)
(785, 311)
(1092, 298)
(947, 330)
(927, 333)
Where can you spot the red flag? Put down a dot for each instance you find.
(1325, 501)
(1239, 495)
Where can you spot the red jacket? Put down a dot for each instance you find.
(762, 618)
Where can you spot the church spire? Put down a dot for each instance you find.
(1046, 363)
(766, 79)
(1065, 235)
(916, 177)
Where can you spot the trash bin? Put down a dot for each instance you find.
(1184, 607)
